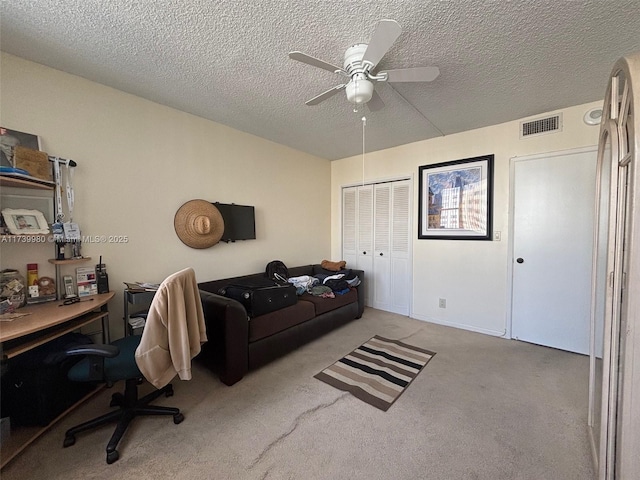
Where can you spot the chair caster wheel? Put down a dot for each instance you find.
(178, 418)
(112, 457)
(117, 400)
(68, 441)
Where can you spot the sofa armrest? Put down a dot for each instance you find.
(227, 325)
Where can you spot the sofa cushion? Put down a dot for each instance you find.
(274, 322)
(324, 305)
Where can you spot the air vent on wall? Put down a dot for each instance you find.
(541, 126)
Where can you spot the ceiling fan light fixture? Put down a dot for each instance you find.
(359, 90)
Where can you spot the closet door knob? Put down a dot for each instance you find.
(381, 253)
(520, 260)
(364, 253)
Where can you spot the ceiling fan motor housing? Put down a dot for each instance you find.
(359, 90)
(353, 58)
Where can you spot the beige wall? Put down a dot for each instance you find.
(471, 275)
(139, 161)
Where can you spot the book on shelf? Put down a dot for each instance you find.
(142, 286)
(86, 281)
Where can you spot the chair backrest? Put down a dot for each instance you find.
(174, 330)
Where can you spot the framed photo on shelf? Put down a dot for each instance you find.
(456, 199)
(23, 221)
(43, 204)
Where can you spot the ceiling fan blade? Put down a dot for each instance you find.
(387, 32)
(375, 103)
(418, 74)
(308, 59)
(323, 96)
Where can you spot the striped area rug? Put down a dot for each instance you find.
(378, 371)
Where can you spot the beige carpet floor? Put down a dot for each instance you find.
(484, 408)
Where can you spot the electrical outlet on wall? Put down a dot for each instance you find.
(442, 303)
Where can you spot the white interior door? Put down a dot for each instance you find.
(553, 221)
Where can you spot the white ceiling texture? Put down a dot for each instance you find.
(227, 60)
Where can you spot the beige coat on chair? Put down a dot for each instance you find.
(174, 331)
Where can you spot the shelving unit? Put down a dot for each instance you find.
(136, 298)
(34, 184)
(11, 181)
(45, 321)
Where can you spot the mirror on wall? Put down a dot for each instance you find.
(599, 288)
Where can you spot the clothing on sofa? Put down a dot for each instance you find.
(303, 283)
(322, 291)
(174, 331)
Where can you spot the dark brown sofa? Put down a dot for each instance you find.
(238, 343)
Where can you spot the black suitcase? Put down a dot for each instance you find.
(261, 297)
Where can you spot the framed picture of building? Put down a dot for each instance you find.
(456, 199)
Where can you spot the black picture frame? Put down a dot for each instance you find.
(455, 201)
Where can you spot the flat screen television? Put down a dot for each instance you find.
(239, 221)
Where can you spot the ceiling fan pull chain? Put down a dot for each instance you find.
(364, 124)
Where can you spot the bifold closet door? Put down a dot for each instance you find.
(357, 232)
(375, 238)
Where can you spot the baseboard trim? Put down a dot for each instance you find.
(486, 331)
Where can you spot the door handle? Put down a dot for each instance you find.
(520, 260)
(364, 253)
(381, 253)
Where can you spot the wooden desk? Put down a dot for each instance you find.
(46, 322)
(51, 320)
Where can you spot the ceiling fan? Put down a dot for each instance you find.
(360, 61)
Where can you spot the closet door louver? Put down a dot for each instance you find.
(365, 220)
(381, 259)
(365, 238)
(400, 248)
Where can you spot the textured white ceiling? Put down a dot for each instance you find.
(227, 60)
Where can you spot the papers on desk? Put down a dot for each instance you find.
(142, 287)
(7, 317)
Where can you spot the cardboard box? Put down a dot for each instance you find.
(33, 161)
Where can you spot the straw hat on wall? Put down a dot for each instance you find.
(199, 224)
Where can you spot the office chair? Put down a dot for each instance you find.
(134, 358)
